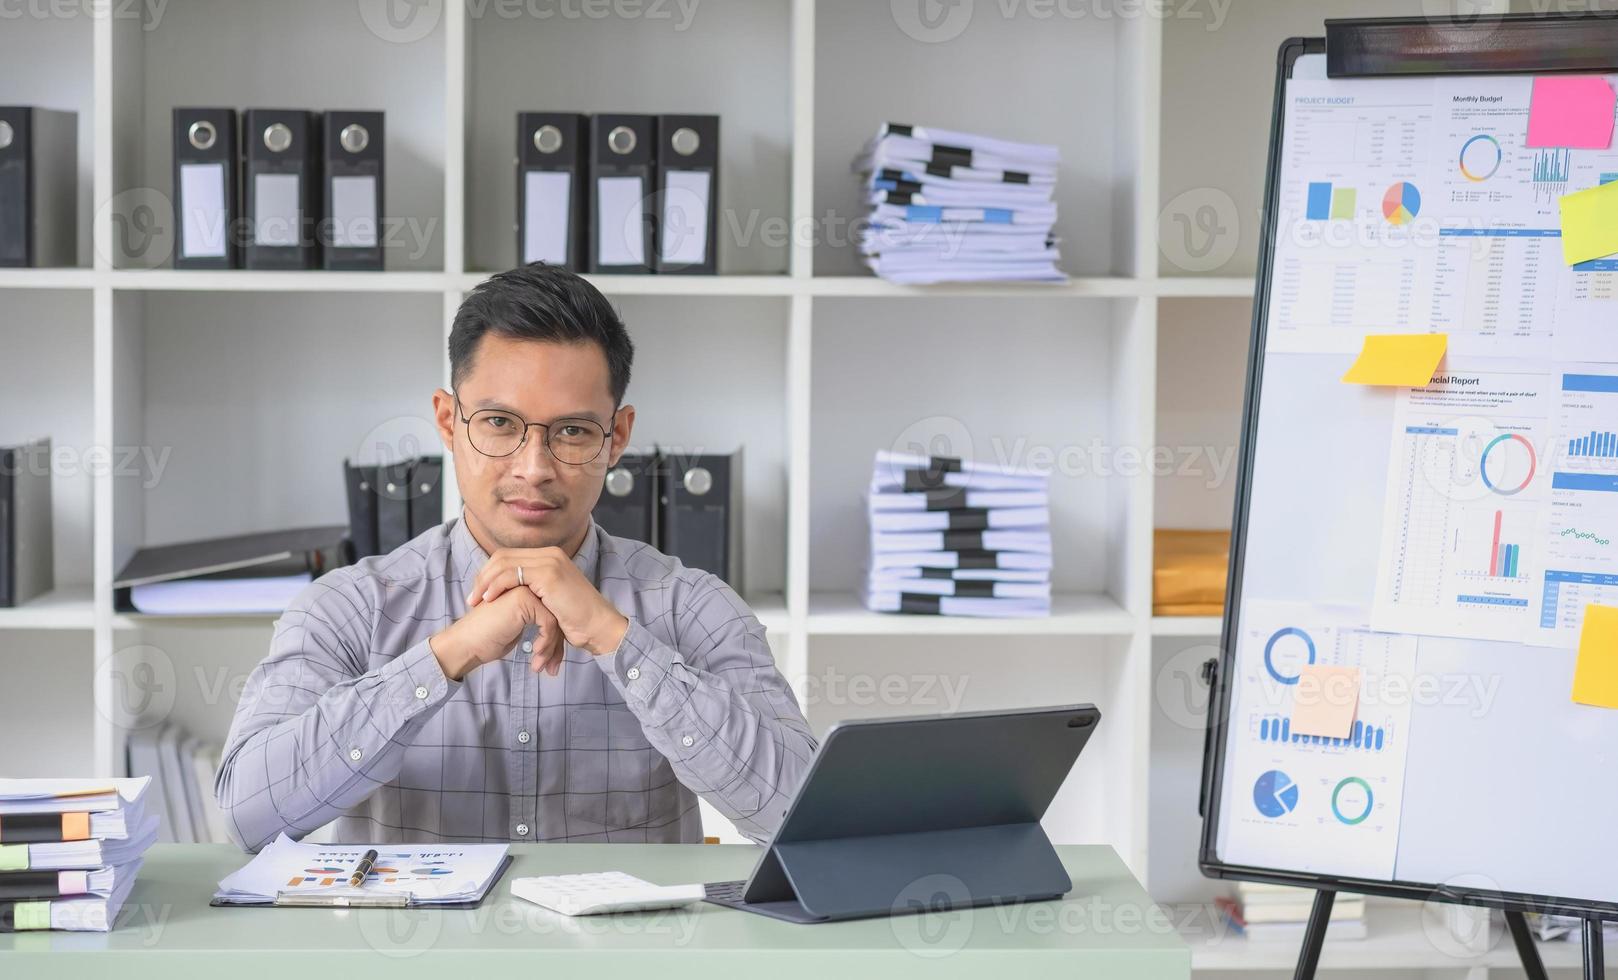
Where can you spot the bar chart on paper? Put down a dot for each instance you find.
(1331, 803)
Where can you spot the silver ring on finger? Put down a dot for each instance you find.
(519, 575)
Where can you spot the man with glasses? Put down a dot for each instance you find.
(517, 673)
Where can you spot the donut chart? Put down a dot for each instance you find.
(1513, 456)
(1401, 203)
(1480, 158)
(1279, 671)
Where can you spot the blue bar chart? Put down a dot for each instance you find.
(1364, 738)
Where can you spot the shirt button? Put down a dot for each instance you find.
(523, 736)
(633, 673)
(687, 741)
(356, 754)
(527, 646)
(421, 694)
(522, 830)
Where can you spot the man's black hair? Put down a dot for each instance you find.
(541, 302)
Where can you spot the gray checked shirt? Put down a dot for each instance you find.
(351, 718)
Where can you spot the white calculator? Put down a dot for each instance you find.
(602, 891)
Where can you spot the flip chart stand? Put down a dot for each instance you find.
(1436, 45)
(1314, 937)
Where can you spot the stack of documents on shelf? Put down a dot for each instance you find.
(70, 850)
(182, 771)
(958, 207)
(958, 538)
(1263, 912)
(286, 872)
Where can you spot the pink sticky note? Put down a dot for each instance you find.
(1325, 701)
(1573, 111)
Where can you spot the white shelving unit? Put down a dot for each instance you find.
(244, 389)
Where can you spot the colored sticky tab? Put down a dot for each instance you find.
(1404, 359)
(1325, 701)
(26, 916)
(1595, 673)
(1572, 111)
(13, 857)
(1590, 223)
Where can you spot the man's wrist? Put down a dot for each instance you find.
(451, 659)
(610, 636)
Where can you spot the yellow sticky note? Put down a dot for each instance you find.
(1325, 701)
(1590, 223)
(1595, 673)
(1407, 360)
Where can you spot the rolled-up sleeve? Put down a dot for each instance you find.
(714, 704)
(316, 732)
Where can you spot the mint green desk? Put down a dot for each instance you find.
(1106, 927)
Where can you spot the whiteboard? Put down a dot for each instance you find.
(1443, 540)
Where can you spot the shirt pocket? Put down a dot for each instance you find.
(615, 779)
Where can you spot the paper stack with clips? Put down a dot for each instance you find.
(70, 850)
(958, 538)
(957, 207)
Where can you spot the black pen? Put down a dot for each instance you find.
(362, 869)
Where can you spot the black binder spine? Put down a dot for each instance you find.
(702, 519)
(553, 154)
(209, 232)
(622, 212)
(359, 482)
(351, 232)
(393, 506)
(8, 528)
(38, 187)
(687, 195)
(30, 828)
(426, 494)
(631, 497)
(282, 188)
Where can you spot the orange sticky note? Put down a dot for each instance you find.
(1407, 360)
(1325, 701)
(1595, 673)
(1573, 111)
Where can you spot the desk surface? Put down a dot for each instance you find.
(1106, 927)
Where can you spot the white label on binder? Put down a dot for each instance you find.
(621, 238)
(547, 200)
(684, 230)
(276, 216)
(202, 204)
(353, 212)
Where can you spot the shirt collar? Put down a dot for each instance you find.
(467, 557)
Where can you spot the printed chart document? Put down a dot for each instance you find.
(426, 874)
(1459, 554)
(1323, 805)
(1416, 205)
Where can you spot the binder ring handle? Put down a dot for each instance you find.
(547, 139)
(277, 137)
(354, 137)
(202, 134)
(7, 134)
(621, 139)
(685, 141)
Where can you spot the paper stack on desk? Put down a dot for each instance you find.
(70, 850)
(958, 207)
(958, 538)
(417, 874)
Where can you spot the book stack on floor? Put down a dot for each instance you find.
(70, 850)
(958, 207)
(958, 538)
(1263, 912)
(182, 770)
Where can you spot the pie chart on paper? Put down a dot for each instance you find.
(1275, 794)
(1401, 203)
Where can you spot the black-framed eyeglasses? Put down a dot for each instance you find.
(497, 432)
